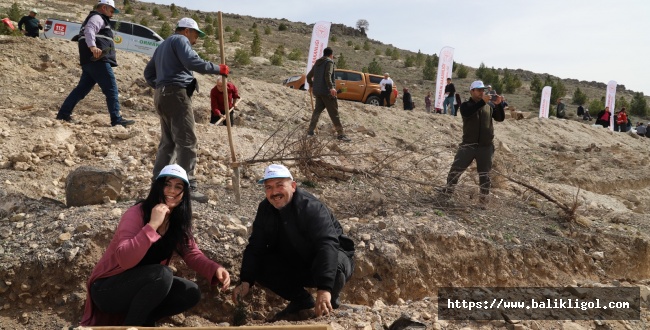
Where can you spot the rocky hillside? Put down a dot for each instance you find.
(381, 186)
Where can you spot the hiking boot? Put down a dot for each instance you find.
(310, 133)
(196, 196)
(123, 122)
(343, 138)
(297, 310)
(66, 119)
(339, 282)
(483, 201)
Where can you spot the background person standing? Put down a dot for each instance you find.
(97, 59)
(31, 23)
(450, 94)
(170, 72)
(386, 85)
(322, 85)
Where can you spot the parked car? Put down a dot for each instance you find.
(351, 86)
(127, 36)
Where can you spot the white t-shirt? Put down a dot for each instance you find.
(383, 83)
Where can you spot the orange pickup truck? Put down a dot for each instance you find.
(351, 86)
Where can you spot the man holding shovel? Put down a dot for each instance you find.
(170, 72)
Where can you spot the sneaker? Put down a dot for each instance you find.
(310, 133)
(197, 196)
(66, 119)
(343, 138)
(297, 310)
(339, 282)
(123, 122)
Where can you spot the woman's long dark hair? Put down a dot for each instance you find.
(180, 219)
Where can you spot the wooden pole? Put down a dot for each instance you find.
(233, 157)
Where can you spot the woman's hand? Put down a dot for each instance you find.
(223, 277)
(158, 214)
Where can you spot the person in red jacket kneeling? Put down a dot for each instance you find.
(216, 101)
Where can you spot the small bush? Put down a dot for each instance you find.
(155, 11)
(208, 29)
(144, 21)
(165, 30)
(333, 38)
(579, 97)
(276, 60)
(366, 45)
(227, 29)
(357, 47)
(267, 30)
(242, 57)
(282, 27)
(254, 25)
(162, 17)
(15, 13)
(350, 42)
(295, 54)
(462, 71)
(235, 36)
(377, 52)
(256, 45)
(374, 67)
(208, 20)
(128, 10)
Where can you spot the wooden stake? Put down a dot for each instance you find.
(233, 156)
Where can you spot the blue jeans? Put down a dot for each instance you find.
(449, 101)
(99, 73)
(145, 294)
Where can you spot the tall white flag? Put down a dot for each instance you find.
(545, 102)
(445, 68)
(319, 38)
(610, 101)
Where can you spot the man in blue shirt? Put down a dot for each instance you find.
(31, 24)
(170, 72)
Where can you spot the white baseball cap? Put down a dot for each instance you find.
(110, 3)
(187, 22)
(477, 85)
(34, 10)
(175, 171)
(275, 171)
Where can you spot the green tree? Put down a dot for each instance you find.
(419, 59)
(282, 27)
(172, 7)
(174, 10)
(280, 51)
(235, 36)
(350, 43)
(256, 45)
(295, 55)
(165, 30)
(276, 60)
(510, 81)
(15, 13)
(144, 21)
(128, 10)
(195, 17)
(395, 55)
(374, 67)
(639, 105)
(208, 20)
(536, 84)
(388, 51)
(267, 30)
(366, 45)
(409, 61)
(227, 29)
(429, 70)
(579, 97)
(161, 17)
(208, 29)
(333, 38)
(242, 57)
(622, 103)
(341, 63)
(357, 47)
(155, 11)
(254, 25)
(462, 71)
(377, 52)
(557, 90)
(595, 106)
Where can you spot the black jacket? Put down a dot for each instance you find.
(321, 76)
(312, 235)
(477, 121)
(103, 41)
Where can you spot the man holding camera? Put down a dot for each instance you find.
(478, 133)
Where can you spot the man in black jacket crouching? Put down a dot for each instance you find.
(296, 243)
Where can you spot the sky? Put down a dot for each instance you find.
(586, 40)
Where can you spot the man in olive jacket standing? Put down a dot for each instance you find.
(478, 133)
(296, 243)
(322, 85)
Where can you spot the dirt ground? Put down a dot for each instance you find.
(381, 186)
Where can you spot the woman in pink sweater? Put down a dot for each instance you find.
(132, 284)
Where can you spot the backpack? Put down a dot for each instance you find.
(388, 87)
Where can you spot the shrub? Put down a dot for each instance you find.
(227, 29)
(419, 58)
(579, 97)
(195, 17)
(144, 21)
(210, 46)
(357, 47)
(267, 30)
(276, 60)
(208, 20)
(235, 36)
(161, 17)
(462, 71)
(165, 30)
(622, 103)
(595, 106)
(282, 27)
(128, 10)
(242, 57)
(350, 42)
(429, 70)
(256, 45)
(208, 29)
(155, 11)
(174, 11)
(377, 52)
(280, 51)
(333, 38)
(395, 55)
(409, 61)
(388, 51)
(510, 81)
(295, 54)
(639, 105)
(341, 63)
(254, 25)
(374, 67)
(366, 45)
(15, 13)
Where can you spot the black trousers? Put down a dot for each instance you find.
(289, 280)
(145, 294)
(385, 98)
(464, 157)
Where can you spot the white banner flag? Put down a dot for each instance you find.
(319, 38)
(610, 101)
(445, 68)
(544, 103)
